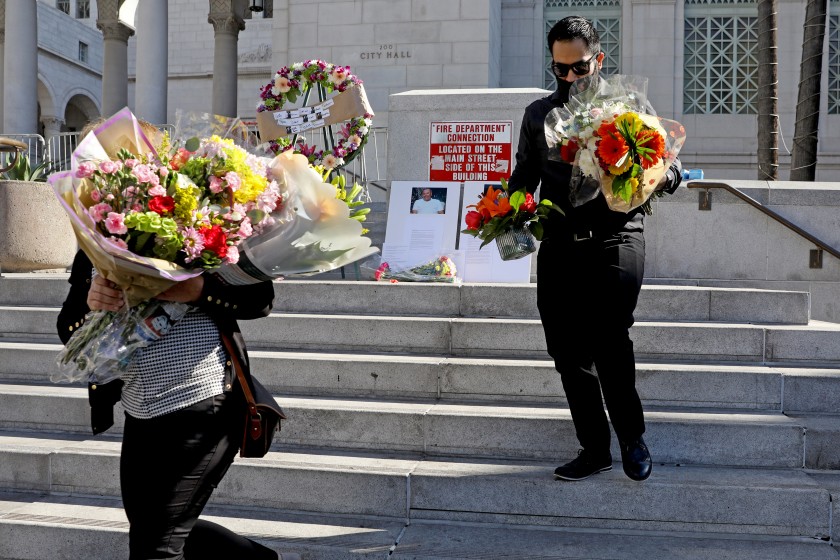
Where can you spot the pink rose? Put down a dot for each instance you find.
(97, 212)
(109, 167)
(232, 256)
(115, 224)
(233, 180)
(85, 170)
(216, 185)
(245, 229)
(144, 174)
(157, 190)
(130, 163)
(95, 195)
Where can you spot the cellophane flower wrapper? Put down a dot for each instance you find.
(312, 232)
(101, 349)
(572, 136)
(441, 269)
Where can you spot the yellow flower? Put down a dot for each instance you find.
(634, 184)
(621, 166)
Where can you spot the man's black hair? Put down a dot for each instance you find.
(575, 27)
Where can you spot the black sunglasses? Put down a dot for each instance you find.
(580, 68)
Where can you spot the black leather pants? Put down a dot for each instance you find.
(586, 294)
(169, 467)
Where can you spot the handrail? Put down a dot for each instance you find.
(756, 204)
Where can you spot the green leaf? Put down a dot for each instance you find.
(517, 199)
(622, 189)
(537, 229)
(192, 144)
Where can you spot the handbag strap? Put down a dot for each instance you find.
(254, 415)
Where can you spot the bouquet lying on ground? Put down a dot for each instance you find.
(617, 144)
(152, 212)
(513, 221)
(440, 269)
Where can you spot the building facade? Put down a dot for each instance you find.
(213, 55)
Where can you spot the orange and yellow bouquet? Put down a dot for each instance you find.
(615, 141)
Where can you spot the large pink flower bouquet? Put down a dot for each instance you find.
(150, 212)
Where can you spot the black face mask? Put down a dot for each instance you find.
(563, 88)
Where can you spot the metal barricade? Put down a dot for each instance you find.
(35, 146)
(59, 149)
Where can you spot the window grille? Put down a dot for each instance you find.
(834, 59)
(604, 14)
(720, 59)
(63, 5)
(83, 52)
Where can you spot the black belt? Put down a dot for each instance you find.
(583, 236)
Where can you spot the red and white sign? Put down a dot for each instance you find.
(470, 151)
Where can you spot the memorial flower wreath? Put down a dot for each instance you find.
(291, 82)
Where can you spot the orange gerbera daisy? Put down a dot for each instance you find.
(611, 148)
(651, 147)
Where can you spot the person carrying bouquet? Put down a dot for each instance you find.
(183, 411)
(589, 273)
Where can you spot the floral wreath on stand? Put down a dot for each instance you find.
(289, 83)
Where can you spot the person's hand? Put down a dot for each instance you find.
(187, 291)
(104, 295)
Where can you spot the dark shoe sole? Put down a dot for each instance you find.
(571, 479)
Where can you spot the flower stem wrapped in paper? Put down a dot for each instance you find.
(617, 144)
(149, 215)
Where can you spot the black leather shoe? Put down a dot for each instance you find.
(635, 458)
(584, 466)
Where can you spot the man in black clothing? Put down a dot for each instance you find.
(589, 273)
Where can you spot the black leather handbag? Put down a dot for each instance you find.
(262, 413)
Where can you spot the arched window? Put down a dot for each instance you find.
(720, 57)
(604, 14)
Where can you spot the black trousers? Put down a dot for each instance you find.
(169, 467)
(586, 294)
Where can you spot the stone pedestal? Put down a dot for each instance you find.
(33, 241)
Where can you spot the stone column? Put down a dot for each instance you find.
(52, 126)
(227, 23)
(115, 56)
(20, 70)
(150, 98)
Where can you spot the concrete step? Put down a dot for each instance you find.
(325, 294)
(470, 430)
(783, 502)
(37, 526)
(816, 342)
(684, 385)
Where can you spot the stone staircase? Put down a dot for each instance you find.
(413, 433)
